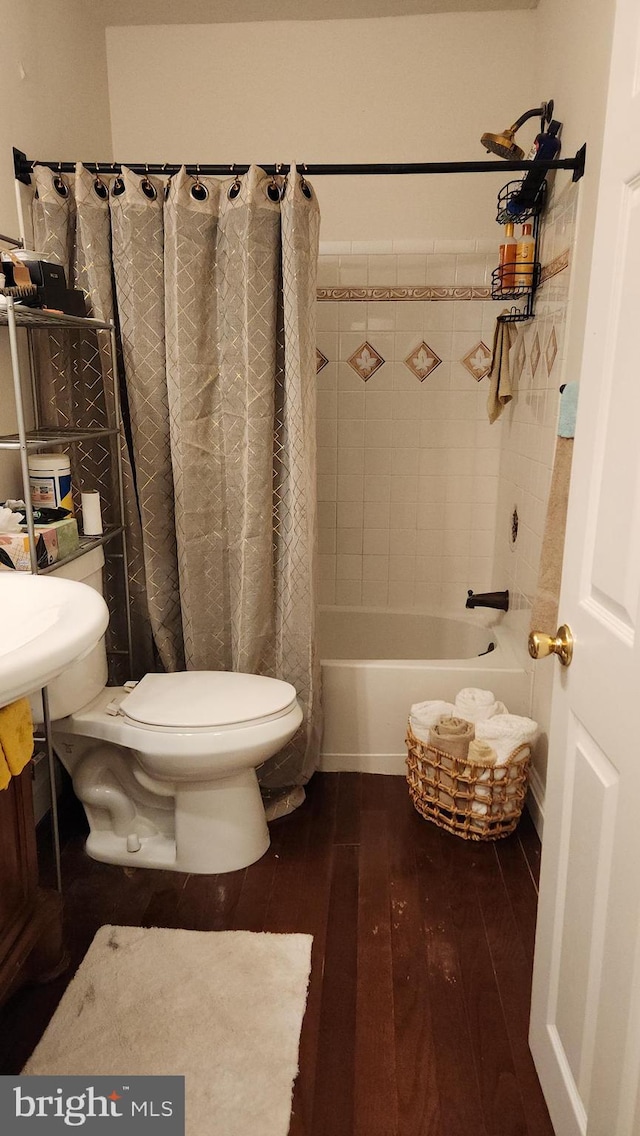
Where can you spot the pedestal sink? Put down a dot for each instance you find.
(45, 625)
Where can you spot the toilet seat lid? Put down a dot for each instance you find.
(201, 699)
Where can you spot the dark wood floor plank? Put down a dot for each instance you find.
(521, 890)
(513, 975)
(415, 1045)
(375, 1067)
(531, 847)
(333, 1104)
(457, 1076)
(499, 1090)
(348, 808)
(286, 895)
(313, 915)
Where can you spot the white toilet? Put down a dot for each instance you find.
(166, 767)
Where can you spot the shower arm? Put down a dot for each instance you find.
(23, 166)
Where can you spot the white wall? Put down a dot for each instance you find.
(413, 88)
(55, 105)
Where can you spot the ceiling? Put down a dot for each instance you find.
(118, 12)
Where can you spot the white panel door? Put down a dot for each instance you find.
(585, 1018)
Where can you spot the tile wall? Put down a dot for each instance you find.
(408, 464)
(529, 422)
(529, 426)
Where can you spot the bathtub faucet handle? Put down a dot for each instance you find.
(497, 600)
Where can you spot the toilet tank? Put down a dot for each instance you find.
(80, 683)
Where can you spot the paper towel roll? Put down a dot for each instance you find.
(91, 515)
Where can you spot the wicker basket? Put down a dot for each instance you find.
(473, 801)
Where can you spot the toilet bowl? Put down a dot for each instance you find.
(166, 767)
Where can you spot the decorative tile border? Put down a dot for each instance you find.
(558, 264)
(393, 292)
(376, 293)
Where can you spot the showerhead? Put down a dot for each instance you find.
(503, 144)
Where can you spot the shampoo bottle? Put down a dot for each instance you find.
(525, 254)
(508, 250)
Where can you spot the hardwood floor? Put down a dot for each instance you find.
(416, 1022)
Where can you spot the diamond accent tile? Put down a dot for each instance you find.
(519, 358)
(365, 361)
(321, 360)
(552, 350)
(535, 354)
(478, 361)
(422, 361)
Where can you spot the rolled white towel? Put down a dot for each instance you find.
(475, 704)
(424, 715)
(505, 732)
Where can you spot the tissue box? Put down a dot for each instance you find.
(53, 542)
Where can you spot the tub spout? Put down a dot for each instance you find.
(497, 600)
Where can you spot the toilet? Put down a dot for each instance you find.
(166, 767)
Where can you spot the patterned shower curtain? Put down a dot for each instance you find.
(214, 286)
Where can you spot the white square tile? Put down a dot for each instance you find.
(327, 271)
(350, 460)
(327, 542)
(428, 597)
(404, 488)
(327, 432)
(432, 489)
(351, 404)
(350, 433)
(350, 487)
(348, 567)
(412, 269)
(349, 592)
(349, 541)
(381, 317)
(378, 404)
(376, 514)
(377, 433)
(326, 591)
(438, 316)
(352, 317)
(429, 567)
(375, 542)
(378, 460)
(327, 460)
(383, 269)
(402, 567)
(410, 317)
(375, 568)
(404, 515)
(326, 487)
(374, 594)
(349, 514)
(430, 514)
(403, 542)
(326, 514)
(353, 270)
(327, 404)
(327, 378)
(377, 487)
(405, 462)
(441, 269)
(467, 316)
(327, 316)
(326, 567)
(401, 594)
(405, 433)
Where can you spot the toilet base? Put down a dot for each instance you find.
(220, 826)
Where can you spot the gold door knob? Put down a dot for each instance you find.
(541, 645)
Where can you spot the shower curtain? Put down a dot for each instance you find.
(213, 285)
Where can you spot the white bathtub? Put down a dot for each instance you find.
(375, 664)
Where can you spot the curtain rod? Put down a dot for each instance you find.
(23, 167)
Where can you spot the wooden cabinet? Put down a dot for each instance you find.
(31, 945)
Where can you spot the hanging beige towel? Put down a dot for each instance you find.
(500, 390)
(452, 736)
(544, 615)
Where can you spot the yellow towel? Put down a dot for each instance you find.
(500, 390)
(16, 739)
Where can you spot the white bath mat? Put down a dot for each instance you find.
(222, 1008)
